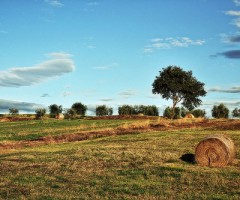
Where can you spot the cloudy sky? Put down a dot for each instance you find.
(109, 51)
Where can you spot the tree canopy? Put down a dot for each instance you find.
(55, 109)
(220, 111)
(79, 108)
(102, 110)
(180, 86)
(236, 112)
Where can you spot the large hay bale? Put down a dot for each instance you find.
(215, 151)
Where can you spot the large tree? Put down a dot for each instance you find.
(180, 86)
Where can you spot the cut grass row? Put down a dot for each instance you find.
(35, 129)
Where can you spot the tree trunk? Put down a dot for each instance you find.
(173, 109)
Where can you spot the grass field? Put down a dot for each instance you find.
(142, 163)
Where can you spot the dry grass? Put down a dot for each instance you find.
(134, 166)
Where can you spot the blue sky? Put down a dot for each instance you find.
(109, 51)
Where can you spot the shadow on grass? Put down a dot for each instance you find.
(188, 157)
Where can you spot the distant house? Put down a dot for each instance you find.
(60, 116)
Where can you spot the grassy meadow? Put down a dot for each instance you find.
(142, 163)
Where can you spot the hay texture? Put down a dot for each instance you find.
(215, 151)
(60, 116)
(189, 116)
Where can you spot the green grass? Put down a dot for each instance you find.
(29, 130)
(134, 166)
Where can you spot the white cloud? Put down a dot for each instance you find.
(45, 95)
(128, 93)
(236, 22)
(57, 65)
(237, 2)
(93, 3)
(106, 67)
(235, 89)
(21, 106)
(54, 3)
(66, 94)
(233, 13)
(231, 103)
(91, 46)
(169, 42)
(107, 99)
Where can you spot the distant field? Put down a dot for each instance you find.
(116, 159)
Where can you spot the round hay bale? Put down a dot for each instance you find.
(189, 116)
(60, 116)
(215, 151)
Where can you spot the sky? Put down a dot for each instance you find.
(110, 51)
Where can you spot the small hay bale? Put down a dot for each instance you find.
(60, 116)
(189, 116)
(215, 151)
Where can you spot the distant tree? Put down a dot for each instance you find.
(146, 110)
(54, 110)
(183, 111)
(13, 111)
(40, 112)
(220, 111)
(69, 113)
(103, 110)
(198, 113)
(110, 111)
(79, 108)
(236, 112)
(180, 86)
(168, 113)
(150, 110)
(126, 110)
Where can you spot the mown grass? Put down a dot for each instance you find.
(30, 130)
(134, 166)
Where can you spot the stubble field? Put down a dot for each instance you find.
(113, 158)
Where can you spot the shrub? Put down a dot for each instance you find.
(199, 113)
(54, 110)
(40, 112)
(220, 111)
(138, 109)
(168, 113)
(102, 110)
(146, 110)
(13, 111)
(79, 108)
(69, 113)
(126, 110)
(236, 112)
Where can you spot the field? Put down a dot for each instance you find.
(113, 158)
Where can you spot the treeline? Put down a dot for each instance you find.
(79, 109)
(138, 109)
